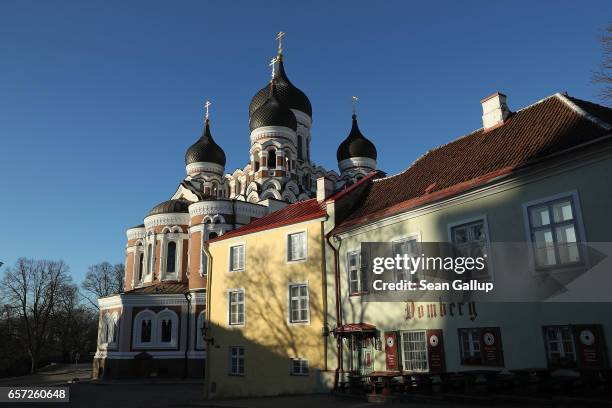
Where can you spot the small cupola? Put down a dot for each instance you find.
(494, 110)
(356, 154)
(205, 154)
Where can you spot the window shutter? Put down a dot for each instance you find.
(435, 351)
(392, 351)
(491, 346)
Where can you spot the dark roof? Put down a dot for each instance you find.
(288, 94)
(137, 226)
(205, 149)
(294, 213)
(162, 288)
(356, 145)
(171, 206)
(530, 135)
(273, 112)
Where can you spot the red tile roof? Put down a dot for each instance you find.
(532, 134)
(162, 288)
(294, 213)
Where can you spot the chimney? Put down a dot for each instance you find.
(324, 188)
(494, 110)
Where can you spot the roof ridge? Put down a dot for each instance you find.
(457, 139)
(572, 105)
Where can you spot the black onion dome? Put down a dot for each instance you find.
(171, 206)
(273, 112)
(205, 150)
(288, 94)
(356, 145)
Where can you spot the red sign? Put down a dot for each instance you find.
(491, 346)
(590, 346)
(435, 351)
(391, 351)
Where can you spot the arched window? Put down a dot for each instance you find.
(287, 161)
(140, 266)
(212, 235)
(300, 148)
(144, 329)
(168, 328)
(171, 257)
(112, 328)
(237, 187)
(150, 257)
(200, 331)
(166, 331)
(271, 159)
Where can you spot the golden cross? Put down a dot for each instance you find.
(273, 62)
(279, 37)
(355, 99)
(206, 105)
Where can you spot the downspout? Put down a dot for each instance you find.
(338, 308)
(208, 339)
(324, 289)
(188, 299)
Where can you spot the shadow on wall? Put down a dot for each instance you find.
(269, 338)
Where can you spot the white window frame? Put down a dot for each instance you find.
(229, 307)
(403, 350)
(231, 268)
(580, 232)
(487, 243)
(200, 322)
(238, 358)
(415, 236)
(559, 340)
(136, 329)
(109, 330)
(288, 246)
(471, 340)
(290, 298)
(359, 280)
(173, 317)
(304, 367)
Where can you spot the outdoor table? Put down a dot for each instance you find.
(355, 381)
(386, 377)
(542, 376)
(596, 376)
(422, 380)
(472, 375)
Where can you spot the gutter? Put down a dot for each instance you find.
(338, 308)
(185, 362)
(208, 340)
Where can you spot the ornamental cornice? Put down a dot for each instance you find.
(135, 233)
(153, 221)
(209, 207)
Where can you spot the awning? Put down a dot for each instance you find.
(355, 328)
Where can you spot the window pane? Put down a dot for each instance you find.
(563, 211)
(544, 248)
(568, 247)
(539, 216)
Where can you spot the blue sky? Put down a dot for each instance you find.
(99, 100)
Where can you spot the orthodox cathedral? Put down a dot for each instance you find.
(156, 324)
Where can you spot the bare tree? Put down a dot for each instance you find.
(604, 75)
(32, 288)
(103, 280)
